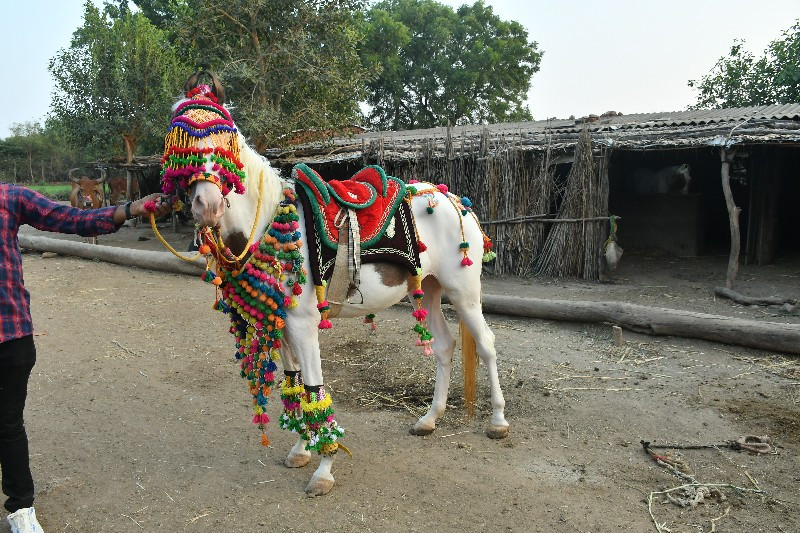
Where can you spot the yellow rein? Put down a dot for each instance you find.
(220, 244)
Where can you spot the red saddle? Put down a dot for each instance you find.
(370, 193)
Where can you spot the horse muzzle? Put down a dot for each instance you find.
(208, 205)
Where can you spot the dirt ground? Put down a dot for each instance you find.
(138, 420)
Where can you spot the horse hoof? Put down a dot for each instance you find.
(297, 461)
(319, 486)
(497, 432)
(421, 431)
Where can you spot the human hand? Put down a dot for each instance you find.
(158, 204)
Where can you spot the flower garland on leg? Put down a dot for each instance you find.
(321, 431)
(291, 392)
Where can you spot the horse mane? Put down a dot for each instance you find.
(257, 167)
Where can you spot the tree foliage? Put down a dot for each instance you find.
(436, 65)
(116, 82)
(742, 79)
(35, 154)
(285, 64)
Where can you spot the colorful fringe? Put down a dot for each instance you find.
(201, 117)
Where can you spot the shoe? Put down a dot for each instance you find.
(24, 521)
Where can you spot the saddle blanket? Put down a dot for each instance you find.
(386, 227)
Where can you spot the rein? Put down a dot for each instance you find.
(217, 241)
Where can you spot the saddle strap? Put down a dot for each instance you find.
(347, 266)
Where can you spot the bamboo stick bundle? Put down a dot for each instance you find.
(564, 249)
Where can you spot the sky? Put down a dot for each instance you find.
(630, 56)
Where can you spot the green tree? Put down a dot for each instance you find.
(285, 64)
(29, 139)
(436, 65)
(741, 79)
(116, 82)
(35, 153)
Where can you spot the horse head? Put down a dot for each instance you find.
(201, 152)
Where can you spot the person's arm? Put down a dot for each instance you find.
(45, 214)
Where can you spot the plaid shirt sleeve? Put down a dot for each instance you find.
(18, 206)
(44, 214)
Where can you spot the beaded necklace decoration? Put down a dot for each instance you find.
(254, 296)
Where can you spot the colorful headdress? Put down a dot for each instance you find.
(201, 118)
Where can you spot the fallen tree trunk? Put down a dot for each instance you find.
(771, 336)
(162, 261)
(750, 300)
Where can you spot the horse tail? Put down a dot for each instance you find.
(469, 360)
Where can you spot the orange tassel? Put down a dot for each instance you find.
(264, 440)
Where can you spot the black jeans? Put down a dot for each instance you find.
(17, 358)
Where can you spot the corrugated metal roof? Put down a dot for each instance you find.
(675, 129)
(638, 120)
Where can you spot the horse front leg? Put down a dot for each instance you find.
(291, 389)
(319, 430)
(443, 346)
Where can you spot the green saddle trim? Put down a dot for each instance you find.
(321, 188)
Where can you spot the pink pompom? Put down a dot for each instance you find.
(427, 351)
(256, 419)
(442, 188)
(264, 418)
(413, 181)
(323, 304)
(325, 324)
(420, 314)
(422, 247)
(373, 326)
(466, 262)
(150, 206)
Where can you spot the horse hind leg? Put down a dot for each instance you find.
(468, 305)
(443, 345)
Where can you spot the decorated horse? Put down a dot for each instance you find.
(287, 256)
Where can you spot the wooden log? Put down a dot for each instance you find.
(161, 261)
(771, 336)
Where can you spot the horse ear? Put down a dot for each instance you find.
(216, 88)
(191, 83)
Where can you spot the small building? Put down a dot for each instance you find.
(521, 177)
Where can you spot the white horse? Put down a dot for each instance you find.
(235, 216)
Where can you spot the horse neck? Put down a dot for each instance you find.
(258, 174)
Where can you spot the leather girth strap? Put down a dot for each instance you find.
(346, 275)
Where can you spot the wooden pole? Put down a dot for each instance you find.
(726, 157)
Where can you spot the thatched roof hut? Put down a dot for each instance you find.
(743, 190)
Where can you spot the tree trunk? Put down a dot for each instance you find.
(161, 261)
(130, 147)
